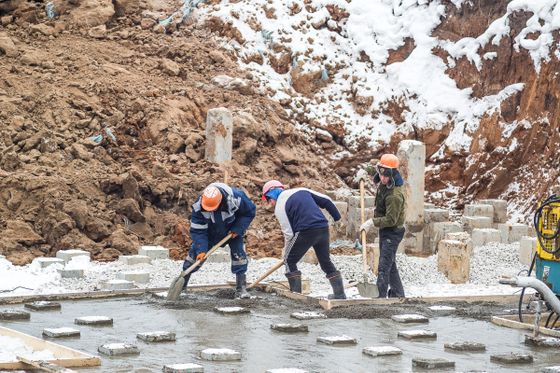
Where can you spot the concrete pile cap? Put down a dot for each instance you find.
(220, 354)
(410, 318)
(381, 351)
(289, 328)
(60, 332)
(113, 349)
(66, 255)
(512, 358)
(337, 340)
(231, 310)
(158, 336)
(465, 346)
(286, 370)
(7, 315)
(542, 341)
(432, 363)
(45, 262)
(154, 252)
(417, 334)
(183, 368)
(93, 320)
(42, 305)
(306, 315)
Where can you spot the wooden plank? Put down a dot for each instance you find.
(509, 323)
(45, 365)
(64, 356)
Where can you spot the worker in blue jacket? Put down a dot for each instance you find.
(221, 210)
(304, 226)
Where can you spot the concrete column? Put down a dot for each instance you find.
(412, 157)
(219, 132)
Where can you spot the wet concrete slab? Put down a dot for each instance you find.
(376, 351)
(417, 334)
(94, 320)
(220, 354)
(118, 349)
(338, 340)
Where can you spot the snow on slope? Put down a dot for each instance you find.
(348, 44)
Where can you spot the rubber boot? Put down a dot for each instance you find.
(338, 287)
(241, 286)
(187, 278)
(294, 279)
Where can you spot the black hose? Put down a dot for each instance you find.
(523, 289)
(555, 321)
(548, 319)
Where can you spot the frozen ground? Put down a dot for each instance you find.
(420, 275)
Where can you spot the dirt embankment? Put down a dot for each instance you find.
(102, 118)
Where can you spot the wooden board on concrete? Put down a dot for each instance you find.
(64, 356)
(511, 321)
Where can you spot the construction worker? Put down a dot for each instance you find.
(304, 225)
(221, 210)
(389, 218)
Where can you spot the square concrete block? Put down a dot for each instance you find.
(136, 276)
(481, 237)
(135, 259)
(472, 222)
(12, 315)
(42, 305)
(465, 346)
(463, 237)
(542, 341)
(381, 351)
(183, 368)
(437, 232)
(115, 349)
(45, 262)
(231, 310)
(60, 332)
(159, 336)
(290, 328)
(337, 340)
(220, 354)
(417, 334)
(512, 358)
(67, 255)
(434, 215)
(338, 229)
(286, 370)
(454, 261)
(527, 248)
(71, 273)
(410, 318)
(354, 201)
(308, 315)
(94, 320)
(118, 285)
(154, 252)
(222, 255)
(500, 209)
(432, 363)
(512, 232)
(479, 210)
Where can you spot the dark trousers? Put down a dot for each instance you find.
(302, 241)
(389, 239)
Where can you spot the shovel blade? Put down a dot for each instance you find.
(367, 290)
(175, 288)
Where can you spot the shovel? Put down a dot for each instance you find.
(176, 286)
(365, 288)
(268, 273)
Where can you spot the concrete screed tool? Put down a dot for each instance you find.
(365, 288)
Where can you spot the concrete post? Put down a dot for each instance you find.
(219, 133)
(412, 157)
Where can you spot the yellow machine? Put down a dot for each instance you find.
(547, 258)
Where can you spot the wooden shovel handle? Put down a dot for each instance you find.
(210, 252)
(268, 273)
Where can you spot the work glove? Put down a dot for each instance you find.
(366, 226)
(361, 175)
(201, 256)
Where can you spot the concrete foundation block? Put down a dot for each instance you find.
(479, 210)
(437, 232)
(412, 157)
(135, 259)
(45, 262)
(337, 340)
(512, 358)
(542, 341)
(472, 222)
(118, 285)
(354, 201)
(527, 248)
(71, 273)
(308, 315)
(159, 336)
(67, 255)
(381, 351)
(231, 310)
(500, 209)
(466, 346)
(463, 237)
(61, 332)
(222, 255)
(286, 370)
(219, 134)
(43, 306)
(154, 252)
(116, 349)
(481, 237)
(417, 334)
(220, 354)
(442, 310)
(94, 320)
(290, 328)
(355, 221)
(410, 318)
(136, 276)
(454, 261)
(432, 363)
(183, 368)
(13, 315)
(512, 232)
(413, 244)
(434, 215)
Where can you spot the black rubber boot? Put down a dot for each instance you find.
(187, 278)
(241, 286)
(294, 279)
(338, 287)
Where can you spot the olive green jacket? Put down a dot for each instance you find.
(390, 205)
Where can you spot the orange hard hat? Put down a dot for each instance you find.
(211, 198)
(388, 161)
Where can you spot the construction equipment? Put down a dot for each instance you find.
(177, 285)
(365, 288)
(266, 274)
